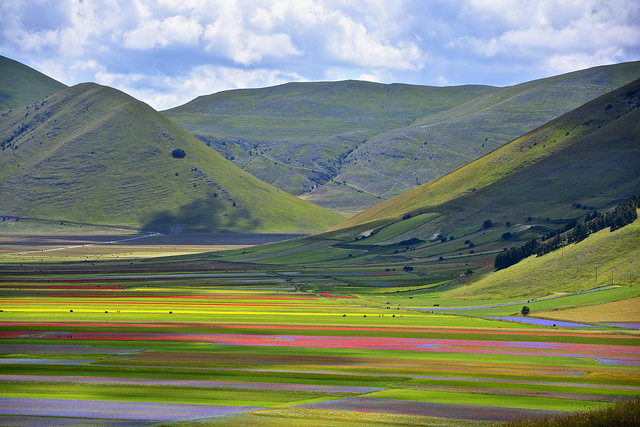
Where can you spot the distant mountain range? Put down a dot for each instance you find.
(349, 145)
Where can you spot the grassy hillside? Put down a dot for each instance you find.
(588, 159)
(92, 154)
(612, 255)
(435, 144)
(21, 85)
(560, 134)
(348, 145)
(304, 130)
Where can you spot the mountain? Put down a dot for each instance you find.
(295, 136)
(349, 145)
(92, 154)
(599, 125)
(585, 160)
(22, 85)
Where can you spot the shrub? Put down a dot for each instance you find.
(409, 242)
(178, 153)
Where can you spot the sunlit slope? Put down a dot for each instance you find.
(21, 85)
(596, 172)
(403, 158)
(95, 155)
(605, 118)
(603, 259)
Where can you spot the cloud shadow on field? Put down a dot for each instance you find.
(200, 216)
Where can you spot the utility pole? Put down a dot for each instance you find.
(611, 277)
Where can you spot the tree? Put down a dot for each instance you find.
(525, 310)
(487, 223)
(178, 153)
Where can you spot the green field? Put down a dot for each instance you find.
(279, 346)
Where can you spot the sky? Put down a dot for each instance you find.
(167, 52)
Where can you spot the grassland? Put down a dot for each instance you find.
(91, 154)
(624, 311)
(605, 258)
(348, 145)
(561, 138)
(391, 320)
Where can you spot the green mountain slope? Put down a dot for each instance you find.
(602, 259)
(587, 159)
(21, 85)
(435, 144)
(296, 135)
(95, 155)
(599, 117)
(349, 145)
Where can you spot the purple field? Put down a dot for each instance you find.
(114, 410)
(429, 409)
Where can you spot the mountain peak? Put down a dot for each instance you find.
(22, 85)
(94, 154)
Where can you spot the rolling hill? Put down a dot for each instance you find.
(349, 145)
(296, 136)
(92, 154)
(22, 85)
(585, 160)
(608, 118)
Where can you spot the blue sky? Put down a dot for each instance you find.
(167, 52)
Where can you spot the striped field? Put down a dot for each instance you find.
(249, 349)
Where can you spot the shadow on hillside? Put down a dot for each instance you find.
(201, 216)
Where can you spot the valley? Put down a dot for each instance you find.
(237, 344)
(146, 279)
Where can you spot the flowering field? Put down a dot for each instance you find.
(238, 350)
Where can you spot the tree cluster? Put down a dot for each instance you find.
(623, 214)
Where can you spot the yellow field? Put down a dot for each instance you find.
(618, 311)
(107, 252)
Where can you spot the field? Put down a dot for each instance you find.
(276, 346)
(90, 247)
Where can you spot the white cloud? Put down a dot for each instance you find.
(166, 50)
(352, 42)
(542, 27)
(558, 64)
(172, 30)
(78, 71)
(202, 80)
(233, 35)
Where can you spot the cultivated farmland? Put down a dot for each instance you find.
(274, 347)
